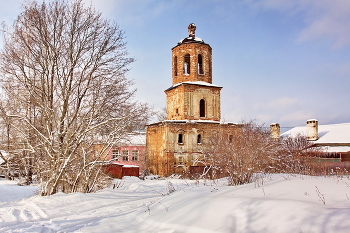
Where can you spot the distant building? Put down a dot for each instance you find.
(129, 152)
(125, 157)
(334, 139)
(192, 108)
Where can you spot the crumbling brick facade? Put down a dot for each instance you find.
(174, 146)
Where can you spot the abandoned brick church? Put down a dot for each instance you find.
(192, 111)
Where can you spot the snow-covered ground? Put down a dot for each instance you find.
(277, 203)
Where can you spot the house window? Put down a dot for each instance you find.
(115, 154)
(199, 138)
(175, 65)
(125, 155)
(180, 138)
(200, 64)
(202, 108)
(187, 67)
(135, 154)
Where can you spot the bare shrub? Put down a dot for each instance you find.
(296, 155)
(249, 152)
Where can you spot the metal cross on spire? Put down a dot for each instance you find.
(191, 30)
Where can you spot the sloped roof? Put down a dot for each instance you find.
(134, 139)
(199, 83)
(328, 134)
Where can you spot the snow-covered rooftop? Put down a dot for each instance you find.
(199, 121)
(201, 83)
(134, 139)
(191, 39)
(337, 148)
(333, 133)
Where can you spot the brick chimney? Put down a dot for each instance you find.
(275, 130)
(312, 130)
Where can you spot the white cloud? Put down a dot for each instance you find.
(324, 19)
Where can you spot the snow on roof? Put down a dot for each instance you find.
(333, 133)
(128, 165)
(191, 39)
(201, 121)
(201, 83)
(337, 148)
(134, 139)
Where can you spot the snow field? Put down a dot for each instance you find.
(276, 203)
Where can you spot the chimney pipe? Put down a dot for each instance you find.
(312, 130)
(275, 130)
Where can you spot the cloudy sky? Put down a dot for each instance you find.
(282, 61)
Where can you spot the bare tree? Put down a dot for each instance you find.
(63, 68)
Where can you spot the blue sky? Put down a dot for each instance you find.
(282, 61)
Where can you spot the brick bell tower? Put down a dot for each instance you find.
(176, 145)
(192, 95)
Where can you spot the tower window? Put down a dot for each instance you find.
(175, 65)
(200, 64)
(202, 108)
(180, 138)
(187, 67)
(199, 138)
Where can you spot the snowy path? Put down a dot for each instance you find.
(68, 213)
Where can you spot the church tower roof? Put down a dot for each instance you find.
(191, 36)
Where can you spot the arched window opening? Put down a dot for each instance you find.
(230, 138)
(175, 65)
(200, 64)
(199, 139)
(202, 108)
(187, 67)
(180, 138)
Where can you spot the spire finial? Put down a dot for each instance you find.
(191, 30)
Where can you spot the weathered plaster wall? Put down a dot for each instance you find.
(183, 102)
(167, 156)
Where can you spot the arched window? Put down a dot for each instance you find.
(200, 64)
(180, 138)
(187, 62)
(202, 108)
(199, 138)
(175, 65)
